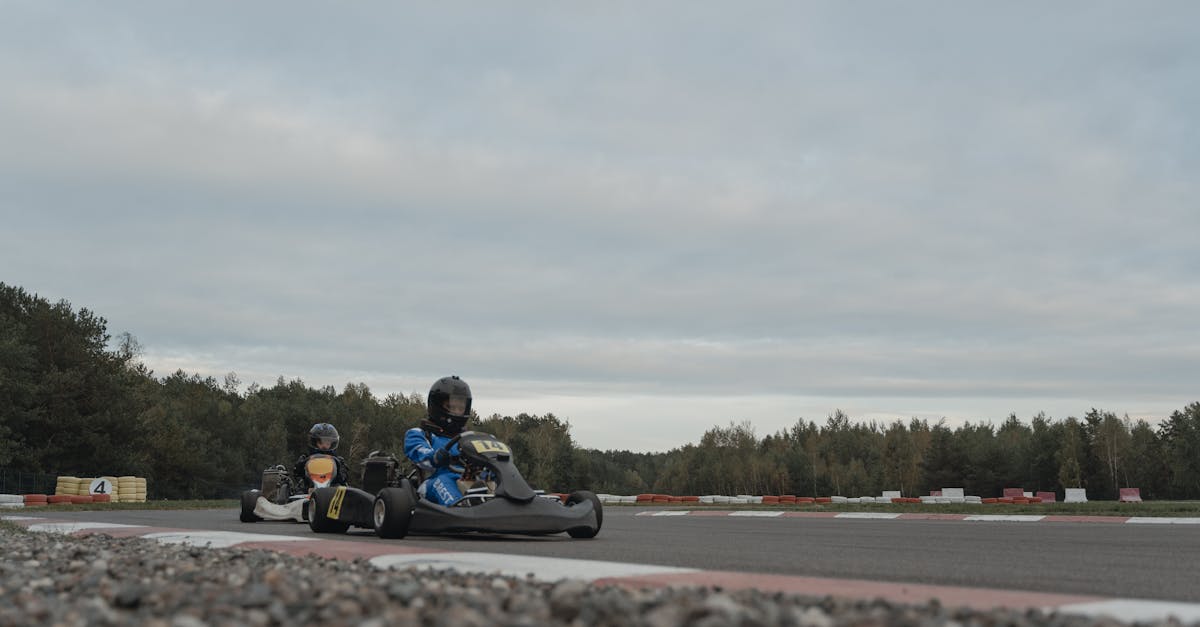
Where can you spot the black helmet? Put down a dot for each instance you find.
(449, 405)
(323, 433)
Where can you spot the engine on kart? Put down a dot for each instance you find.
(276, 484)
(380, 470)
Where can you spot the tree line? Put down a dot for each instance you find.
(75, 402)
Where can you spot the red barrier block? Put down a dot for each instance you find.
(1047, 497)
(1131, 495)
(1014, 492)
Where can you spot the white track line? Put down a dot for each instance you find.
(543, 568)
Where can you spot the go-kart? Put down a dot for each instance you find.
(284, 498)
(501, 503)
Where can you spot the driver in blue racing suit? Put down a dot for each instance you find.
(448, 409)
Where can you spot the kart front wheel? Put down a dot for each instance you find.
(318, 513)
(393, 511)
(581, 496)
(249, 502)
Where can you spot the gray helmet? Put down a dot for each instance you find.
(323, 433)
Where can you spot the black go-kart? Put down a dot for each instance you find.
(500, 503)
(283, 497)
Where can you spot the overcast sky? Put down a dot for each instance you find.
(646, 218)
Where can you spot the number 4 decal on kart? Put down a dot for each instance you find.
(335, 504)
(490, 446)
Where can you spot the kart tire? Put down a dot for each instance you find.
(393, 511)
(249, 502)
(318, 513)
(579, 496)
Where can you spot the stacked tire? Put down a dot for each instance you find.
(67, 486)
(131, 489)
(11, 501)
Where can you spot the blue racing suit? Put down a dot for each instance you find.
(441, 484)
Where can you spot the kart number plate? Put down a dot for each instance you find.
(489, 446)
(335, 504)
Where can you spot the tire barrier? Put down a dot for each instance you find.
(67, 486)
(112, 489)
(12, 501)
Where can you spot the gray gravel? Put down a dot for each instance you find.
(48, 579)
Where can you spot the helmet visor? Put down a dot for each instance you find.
(325, 443)
(457, 405)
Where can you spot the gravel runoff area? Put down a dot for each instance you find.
(51, 579)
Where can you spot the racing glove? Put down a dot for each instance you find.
(441, 458)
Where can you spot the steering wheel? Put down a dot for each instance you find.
(452, 441)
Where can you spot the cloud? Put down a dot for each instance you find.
(881, 210)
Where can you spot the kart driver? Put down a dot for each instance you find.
(448, 409)
(322, 440)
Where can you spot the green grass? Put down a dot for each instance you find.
(199, 504)
(1091, 508)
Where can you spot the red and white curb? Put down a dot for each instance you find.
(758, 513)
(390, 555)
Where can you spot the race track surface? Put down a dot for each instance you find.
(1146, 561)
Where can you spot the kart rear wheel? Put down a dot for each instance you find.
(580, 496)
(393, 511)
(318, 513)
(249, 501)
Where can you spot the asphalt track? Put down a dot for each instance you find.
(1147, 561)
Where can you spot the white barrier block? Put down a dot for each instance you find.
(891, 494)
(952, 492)
(1075, 495)
(884, 499)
